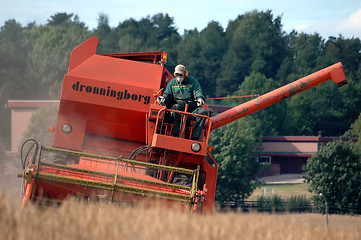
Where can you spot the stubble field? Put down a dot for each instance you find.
(77, 220)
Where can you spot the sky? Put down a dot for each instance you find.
(326, 17)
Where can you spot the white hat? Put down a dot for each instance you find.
(181, 69)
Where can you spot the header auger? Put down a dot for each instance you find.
(113, 141)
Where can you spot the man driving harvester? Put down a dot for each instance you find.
(180, 89)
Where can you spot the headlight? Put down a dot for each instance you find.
(196, 147)
(66, 128)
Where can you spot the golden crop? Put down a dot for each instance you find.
(77, 220)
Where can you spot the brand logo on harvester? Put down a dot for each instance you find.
(119, 95)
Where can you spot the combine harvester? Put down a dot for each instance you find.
(112, 140)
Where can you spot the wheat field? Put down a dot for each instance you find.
(77, 220)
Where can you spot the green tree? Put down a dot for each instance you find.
(232, 74)
(335, 171)
(331, 105)
(156, 33)
(163, 27)
(40, 122)
(347, 100)
(13, 55)
(355, 132)
(355, 129)
(38, 131)
(189, 54)
(307, 49)
(256, 44)
(302, 56)
(213, 46)
(14, 47)
(302, 53)
(236, 151)
(48, 61)
(268, 121)
(297, 117)
(106, 41)
(166, 38)
(60, 19)
(325, 108)
(347, 51)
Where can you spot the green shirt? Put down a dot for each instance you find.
(188, 89)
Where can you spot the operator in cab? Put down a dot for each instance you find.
(180, 89)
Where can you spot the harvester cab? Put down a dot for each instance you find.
(113, 140)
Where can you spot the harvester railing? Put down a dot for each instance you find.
(115, 159)
(163, 125)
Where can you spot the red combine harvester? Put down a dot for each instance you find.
(112, 140)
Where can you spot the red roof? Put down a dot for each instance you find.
(304, 139)
(30, 103)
